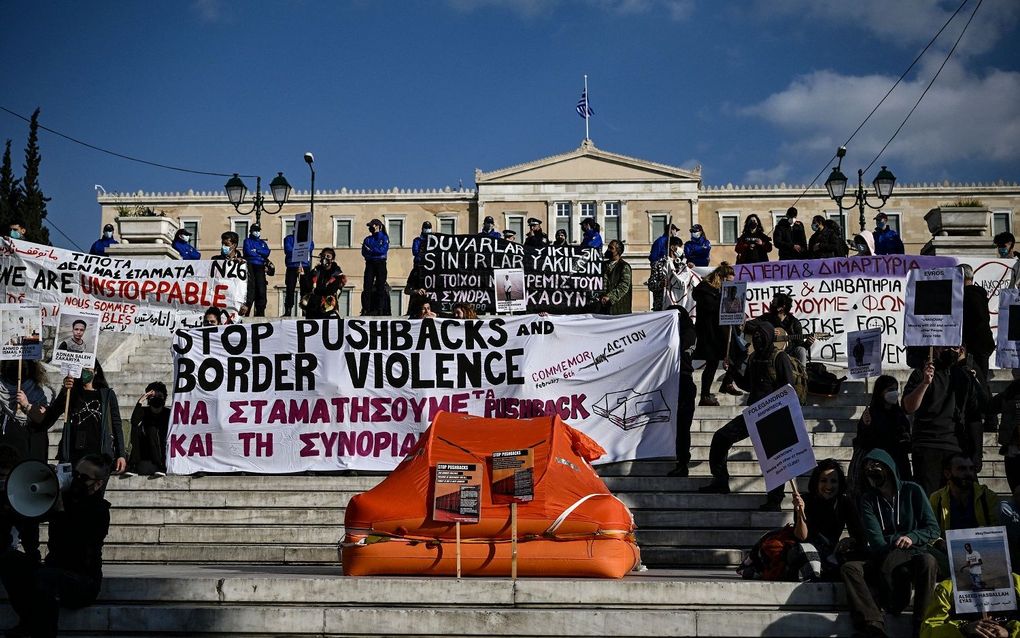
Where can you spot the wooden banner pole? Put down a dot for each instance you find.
(67, 402)
(19, 387)
(513, 541)
(458, 549)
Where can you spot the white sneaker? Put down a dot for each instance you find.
(128, 474)
(159, 474)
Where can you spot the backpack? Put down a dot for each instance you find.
(767, 558)
(821, 381)
(800, 375)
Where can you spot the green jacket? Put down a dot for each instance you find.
(986, 507)
(940, 621)
(617, 285)
(908, 514)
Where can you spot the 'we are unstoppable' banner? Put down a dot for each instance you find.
(357, 393)
(152, 296)
(459, 269)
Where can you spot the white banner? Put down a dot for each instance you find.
(356, 393)
(837, 296)
(776, 428)
(980, 568)
(934, 308)
(864, 348)
(152, 296)
(1007, 346)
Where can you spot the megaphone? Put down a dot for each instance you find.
(32, 488)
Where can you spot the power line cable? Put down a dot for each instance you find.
(925, 92)
(887, 93)
(63, 234)
(122, 155)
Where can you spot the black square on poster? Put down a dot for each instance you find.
(1014, 323)
(302, 230)
(933, 297)
(777, 432)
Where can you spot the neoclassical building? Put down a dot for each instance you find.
(633, 200)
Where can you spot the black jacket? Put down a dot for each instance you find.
(824, 243)
(111, 434)
(977, 335)
(755, 376)
(786, 236)
(536, 239)
(711, 336)
(76, 537)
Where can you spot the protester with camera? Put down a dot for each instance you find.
(325, 282)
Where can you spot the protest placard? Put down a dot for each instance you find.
(457, 493)
(513, 476)
(20, 332)
(980, 570)
(864, 348)
(933, 315)
(510, 292)
(780, 438)
(731, 303)
(290, 396)
(1007, 343)
(302, 238)
(75, 340)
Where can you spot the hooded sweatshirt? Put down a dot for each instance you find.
(908, 513)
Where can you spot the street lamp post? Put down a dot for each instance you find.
(236, 191)
(310, 160)
(836, 186)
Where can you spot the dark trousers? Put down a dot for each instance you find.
(373, 300)
(1012, 464)
(148, 452)
(684, 418)
(927, 464)
(894, 574)
(257, 289)
(708, 376)
(36, 593)
(724, 439)
(294, 280)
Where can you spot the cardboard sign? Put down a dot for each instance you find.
(980, 569)
(510, 292)
(457, 490)
(76, 339)
(513, 476)
(781, 443)
(731, 303)
(933, 315)
(864, 353)
(1007, 343)
(302, 238)
(20, 332)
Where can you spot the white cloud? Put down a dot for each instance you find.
(965, 116)
(774, 175)
(210, 11)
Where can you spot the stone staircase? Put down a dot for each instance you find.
(256, 555)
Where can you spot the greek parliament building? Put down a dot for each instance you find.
(631, 198)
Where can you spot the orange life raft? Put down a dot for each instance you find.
(573, 527)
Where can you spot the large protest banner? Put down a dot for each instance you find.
(459, 269)
(356, 393)
(841, 295)
(152, 296)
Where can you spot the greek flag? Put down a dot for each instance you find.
(582, 106)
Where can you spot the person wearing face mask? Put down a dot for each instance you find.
(592, 237)
(616, 281)
(883, 426)
(753, 245)
(561, 239)
(712, 346)
(100, 245)
(374, 249)
(489, 228)
(945, 400)
(900, 527)
(150, 423)
(789, 237)
(256, 255)
(73, 571)
(296, 274)
(326, 280)
(698, 250)
(211, 317)
(536, 236)
(182, 244)
(887, 240)
(670, 278)
(819, 518)
(964, 502)
(93, 425)
(418, 245)
(660, 247)
(824, 242)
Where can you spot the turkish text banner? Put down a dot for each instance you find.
(151, 296)
(357, 393)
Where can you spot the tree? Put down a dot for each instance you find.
(33, 206)
(10, 189)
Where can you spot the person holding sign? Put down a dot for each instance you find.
(296, 275)
(667, 283)
(182, 244)
(561, 239)
(93, 423)
(713, 339)
(883, 426)
(489, 228)
(23, 408)
(943, 621)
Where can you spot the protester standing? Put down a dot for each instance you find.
(418, 244)
(789, 237)
(1007, 404)
(150, 424)
(182, 244)
(687, 394)
(489, 228)
(23, 409)
(753, 245)
(296, 276)
(100, 245)
(591, 236)
(977, 321)
(16, 230)
(713, 340)
(325, 282)
(698, 250)
(561, 239)
(374, 249)
(887, 240)
(93, 425)
(616, 282)
(667, 282)
(256, 255)
(824, 243)
(660, 247)
(536, 237)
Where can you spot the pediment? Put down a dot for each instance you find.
(588, 164)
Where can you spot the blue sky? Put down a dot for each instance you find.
(419, 94)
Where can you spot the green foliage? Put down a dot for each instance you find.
(139, 211)
(964, 203)
(10, 189)
(32, 210)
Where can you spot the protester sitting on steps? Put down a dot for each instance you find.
(884, 426)
(766, 371)
(963, 503)
(781, 315)
(150, 423)
(713, 341)
(942, 621)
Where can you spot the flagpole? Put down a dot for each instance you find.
(586, 108)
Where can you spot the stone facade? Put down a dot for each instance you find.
(632, 199)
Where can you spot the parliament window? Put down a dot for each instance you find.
(587, 209)
(240, 226)
(191, 225)
(894, 221)
(395, 229)
(342, 233)
(840, 218)
(516, 224)
(563, 221)
(612, 228)
(657, 226)
(288, 228)
(1002, 222)
(448, 225)
(729, 227)
(397, 302)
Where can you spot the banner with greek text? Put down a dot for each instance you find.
(460, 269)
(841, 295)
(303, 395)
(151, 296)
